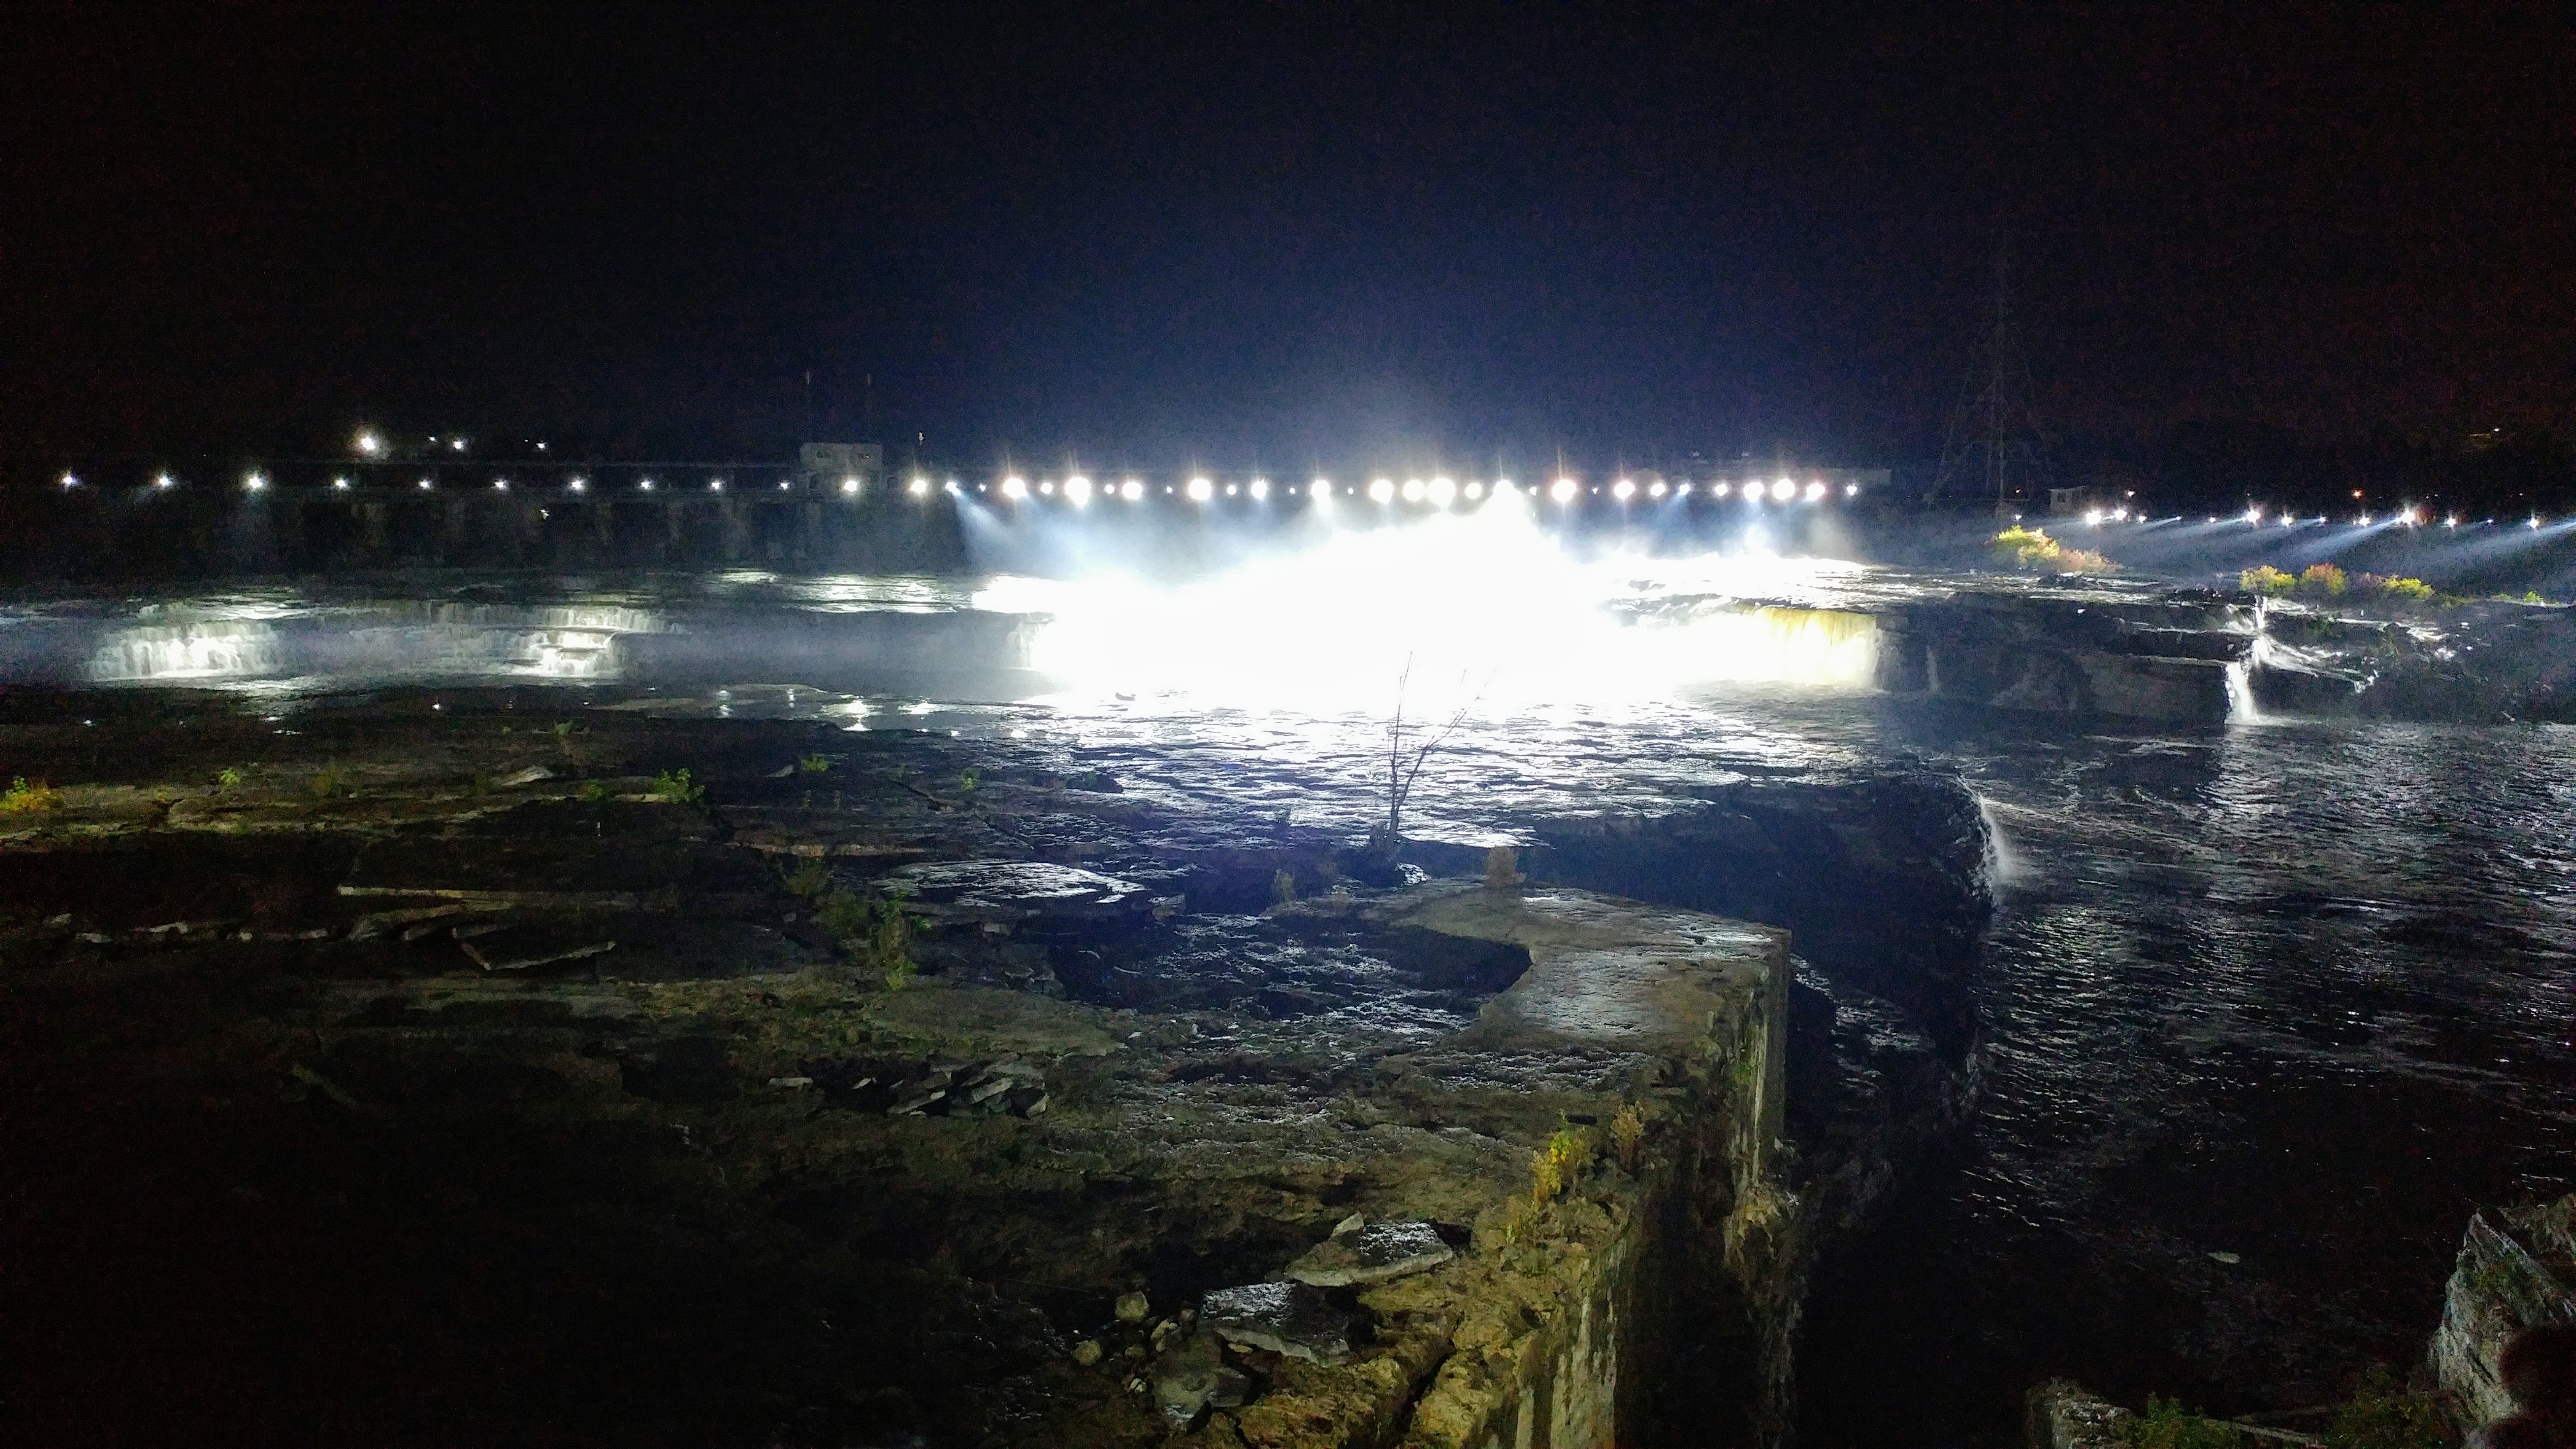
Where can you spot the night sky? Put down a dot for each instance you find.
(1269, 233)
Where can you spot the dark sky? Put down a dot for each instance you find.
(1278, 230)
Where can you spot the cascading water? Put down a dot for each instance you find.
(208, 650)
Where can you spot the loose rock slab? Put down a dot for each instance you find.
(1372, 1253)
(1290, 1319)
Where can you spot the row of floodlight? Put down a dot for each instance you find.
(1437, 492)
(2256, 517)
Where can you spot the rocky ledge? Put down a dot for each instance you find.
(441, 1073)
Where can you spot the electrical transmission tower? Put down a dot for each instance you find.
(1995, 447)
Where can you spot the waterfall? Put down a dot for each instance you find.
(2004, 865)
(2241, 705)
(1772, 644)
(218, 650)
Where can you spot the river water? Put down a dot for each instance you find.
(2271, 1008)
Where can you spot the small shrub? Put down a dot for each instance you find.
(594, 792)
(810, 877)
(229, 779)
(2323, 578)
(968, 782)
(1502, 869)
(813, 764)
(675, 785)
(1561, 1163)
(2167, 1425)
(1547, 1178)
(22, 798)
(2406, 590)
(2025, 548)
(2265, 579)
(2383, 1415)
(332, 783)
(2084, 561)
(1627, 1136)
(876, 934)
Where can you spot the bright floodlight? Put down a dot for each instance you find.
(1502, 485)
(2534, 523)
(785, 484)
(1562, 490)
(1443, 492)
(164, 481)
(339, 482)
(918, 487)
(1815, 492)
(1724, 488)
(2093, 516)
(1412, 490)
(458, 444)
(369, 444)
(1623, 490)
(254, 482)
(644, 484)
(575, 483)
(1655, 489)
(850, 487)
(1476, 490)
(2254, 515)
(715, 485)
(1260, 487)
(1078, 488)
(1015, 487)
(1201, 490)
(500, 485)
(1382, 490)
(1851, 490)
(1131, 490)
(2451, 522)
(1784, 490)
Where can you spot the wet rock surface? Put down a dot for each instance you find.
(315, 1065)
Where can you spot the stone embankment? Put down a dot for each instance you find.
(428, 1068)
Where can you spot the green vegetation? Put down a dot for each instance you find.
(594, 792)
(810, 877)
(813, 764)
(22, 798)
(1627, 1135)
(2167, 1425)
(875, 934)
(230, 779)
(2322, 578)
(2265, 579)
(675, 785)
(2032, 548)
(332, 783)
(2384, 1415)
(967, 783)
(1561, 1163)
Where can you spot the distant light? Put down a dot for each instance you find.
(1783, 490)
(951, 486)
(71, 481)
(1815, 491)
(2254, 516)
(1229, 490)
(1655, 489)
(1724, 488)
(1851, 490)
(2093, 516)
(1260, 487)
(1201, 490)
(849, 487)
(426, 483)
(458, 445)
(715, 485)
(1443, 492)
(500, 485)
(918, 487)
(164, 481)
(541, 447)
(785, 484)
(254, 482)
(1502, 485)
(2534, 523)
(575, 483)
(1623, 489)
(1382, 489)
(369, 444)
(645, 484)
(1046, 487)
(1752, 490)
(1563, 490)
(2365, 520)
(1078, 488)
(336, 483)
(1683, 491)
(2119, 515)
(2451, 522)
(1015, 487)
(1132, 490)
(1476, 490)
(1323, 488)
(1412, 490)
